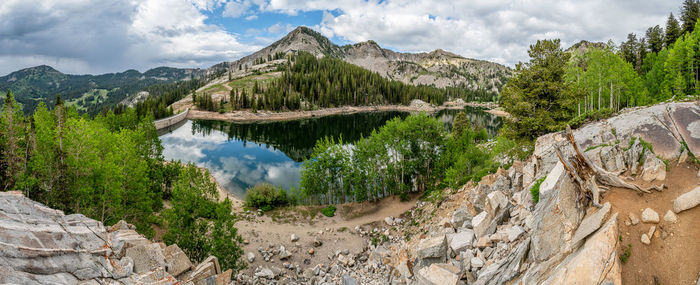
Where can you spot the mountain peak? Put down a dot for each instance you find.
(40, 69)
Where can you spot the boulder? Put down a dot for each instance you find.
(349, 280)
(654, 169)
(507, 269)
(223, 278)
(596, 262)
(146, 257)
(514, 233)
(460, 216)
(208, 268)
(612, 158)
(177, 260)
(591, 223)
(687, 200)
(438, 274)
(481, 224)
(650, 216)
(462, 240)
(431, 250)
(554, 219)
(497, 201)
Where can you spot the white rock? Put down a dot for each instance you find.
(389, 221)
(462, 240)
(481, 224)
(294, 237)
(670, 217)
(651, 232)
(687, 200)
(634, 219)
(650, 216)
(514, 233)
(477, 262)
(443, 274)
(552, 179)
(251, 257)
(645, 239)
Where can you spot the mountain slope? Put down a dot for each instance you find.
(438, 68)
(87, 92)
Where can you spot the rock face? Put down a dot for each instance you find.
(687, 200)
(43, 246)
(596, 262)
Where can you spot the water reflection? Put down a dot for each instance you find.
(240, 155)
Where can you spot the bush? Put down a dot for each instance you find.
(328, 211)
(265, 197)
(535, 190)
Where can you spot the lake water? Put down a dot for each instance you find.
(240, 155)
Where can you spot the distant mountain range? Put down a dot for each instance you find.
(91, 93)
(87, 92)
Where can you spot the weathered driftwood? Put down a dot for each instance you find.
(587, 175)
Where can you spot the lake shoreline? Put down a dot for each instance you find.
(268, 116)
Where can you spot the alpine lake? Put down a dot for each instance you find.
(241, 155)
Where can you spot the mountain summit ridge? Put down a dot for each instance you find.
(439, 68)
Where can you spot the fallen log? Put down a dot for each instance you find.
(587, 175)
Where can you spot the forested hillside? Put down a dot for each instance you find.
(88, 93)
(110, 168)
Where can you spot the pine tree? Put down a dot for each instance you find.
(689, 15)
(655, 38)
(673, 31)
(629, 50)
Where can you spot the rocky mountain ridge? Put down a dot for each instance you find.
(439, 68)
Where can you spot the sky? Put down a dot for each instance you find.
(101, 36)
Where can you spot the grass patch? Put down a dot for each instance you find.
(328, 211)
(535, 190)
(632, 140)
(626, 254)
(595, 146)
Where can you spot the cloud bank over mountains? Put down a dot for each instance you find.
(97, 36)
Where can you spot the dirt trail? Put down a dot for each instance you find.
(673, 257)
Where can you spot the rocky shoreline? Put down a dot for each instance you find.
(269, 116)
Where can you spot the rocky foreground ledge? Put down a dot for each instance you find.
(40, 245)
(489, 233)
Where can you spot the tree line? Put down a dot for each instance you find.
(111, 168)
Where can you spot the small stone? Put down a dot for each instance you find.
(317, 242)
(389, 221)
(645, 239)
(311, 251)
(627, 223)
(514, 233)
(651, 231)
(245, 241)
(670, 217)
(294, 238)
(251, 257)
(634, 219)
(650, 216)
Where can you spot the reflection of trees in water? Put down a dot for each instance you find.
(476, 116)
(297, 138)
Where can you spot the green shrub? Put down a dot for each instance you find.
(265, 197)
(535, 190)
(328, 211)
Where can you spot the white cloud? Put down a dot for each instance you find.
(95, 36)
(498, 30)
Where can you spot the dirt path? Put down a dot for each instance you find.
(275, 228)
(673, 257)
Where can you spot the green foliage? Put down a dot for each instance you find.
(464, 160)
(401, 157)
(328, 211)
(537, 98)
(198, 224)
(329, 82)
(626, 255)
(266, 197)
(535, 190)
